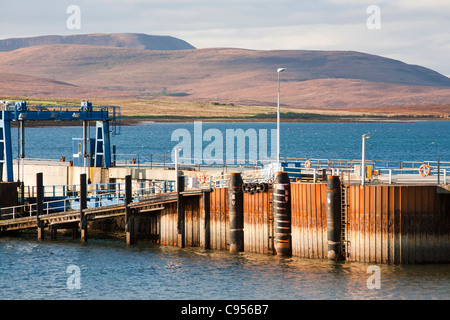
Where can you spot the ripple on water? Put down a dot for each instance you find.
(109, 269)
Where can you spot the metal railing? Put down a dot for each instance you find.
(98, 195)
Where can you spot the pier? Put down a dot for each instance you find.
(319, 213)
(337, 209)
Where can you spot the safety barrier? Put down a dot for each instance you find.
(101, 194)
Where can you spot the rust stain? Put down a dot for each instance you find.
(398, 224)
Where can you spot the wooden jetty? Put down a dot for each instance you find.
(398, 224)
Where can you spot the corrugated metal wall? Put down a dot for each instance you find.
(309, 220)
(192, 209)
(258, 223)
(398, 224)
(386, 224)
(219, 219)
(168, 227)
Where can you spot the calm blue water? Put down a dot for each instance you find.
(108, 269)
(407, 141)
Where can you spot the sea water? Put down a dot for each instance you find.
(109, 269)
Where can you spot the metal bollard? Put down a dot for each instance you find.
(282, 214)
(334, 217)
(236, 205)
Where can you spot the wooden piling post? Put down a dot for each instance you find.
(39, 205)
(181, 228)
(236, 212)
(282, 214)
(74, 233)
(54, 232)
(129, 218)
(333, 193)
(205, 232)
(83, 205)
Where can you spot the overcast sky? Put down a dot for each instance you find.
(413, 31)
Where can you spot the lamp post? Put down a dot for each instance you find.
(176, 168)
(363, 159)
(279, 70)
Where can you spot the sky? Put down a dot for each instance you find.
(413, 31)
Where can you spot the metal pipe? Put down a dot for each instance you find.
(439, 171)
(129, 219)
(278, 121)
(83, 205)
(279, 70)
(363, 160)
(333, 193)
(39, 204)
(282, 214)
(236, 212)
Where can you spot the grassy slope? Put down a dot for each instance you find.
(139, 110)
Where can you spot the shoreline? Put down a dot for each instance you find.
(133, 121)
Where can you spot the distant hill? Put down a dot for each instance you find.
(127, 68)
(126, 40)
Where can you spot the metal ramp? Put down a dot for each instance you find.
(86, 112)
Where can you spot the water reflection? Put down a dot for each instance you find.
(112, 270)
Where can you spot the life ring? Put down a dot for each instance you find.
(202, 179)
(424, 170)
(307, 164)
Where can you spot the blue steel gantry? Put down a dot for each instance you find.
(107, 120)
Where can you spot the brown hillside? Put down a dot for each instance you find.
(313, 80)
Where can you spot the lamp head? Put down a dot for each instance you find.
(281, 70)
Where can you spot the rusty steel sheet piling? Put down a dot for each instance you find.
(258, 220)
(168, 225)
(309, 220)
(219, 219)
(398, 224)
(334, 218)
(236, 212)
(192, 217)
(282, 214)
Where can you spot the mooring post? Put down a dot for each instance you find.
(180, 212)
(74, 233)
(54, 232)
(83, 206)
(129, 219)
(236, 212)
(282, 214)
(205, 220)
(39, 205)
(333, 193)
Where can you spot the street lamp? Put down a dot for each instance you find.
(363, 159)
(279, 70)
(176, 168)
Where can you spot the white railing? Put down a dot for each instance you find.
(97, 196)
